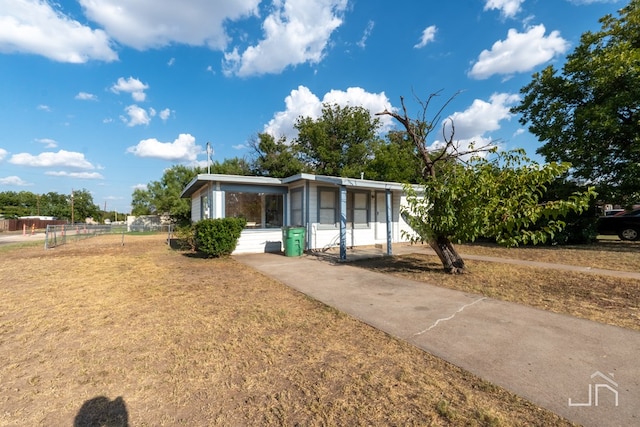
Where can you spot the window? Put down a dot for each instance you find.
(259, 209)
(296, 207)
(358, 207)
(327, 206)
(204, 207)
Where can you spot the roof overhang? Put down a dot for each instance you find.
(204, 179)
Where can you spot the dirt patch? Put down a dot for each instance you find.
(144, 334)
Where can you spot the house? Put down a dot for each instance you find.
(334, 211)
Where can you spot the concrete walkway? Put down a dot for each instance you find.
(585, 371)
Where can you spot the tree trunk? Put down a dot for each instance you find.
(451, 261)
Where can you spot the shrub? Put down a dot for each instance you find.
(185, 237)
(218, 237)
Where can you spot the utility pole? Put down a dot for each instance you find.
(209, 152)
(72, 206)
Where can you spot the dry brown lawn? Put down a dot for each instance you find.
(142, 335)
(606, 299)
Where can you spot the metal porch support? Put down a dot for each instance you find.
(343, 222)
(388, 207)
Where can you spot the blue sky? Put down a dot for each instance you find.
(106, 94)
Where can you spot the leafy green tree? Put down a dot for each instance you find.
(339, 143)
(163, 196)
(233, 166)
(55, 204)
(395, 159)
(83, 206)
(274, 158)
(589, 113)
(467, 196)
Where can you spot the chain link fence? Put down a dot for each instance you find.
(56, 235)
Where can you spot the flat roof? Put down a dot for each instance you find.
(202, 179)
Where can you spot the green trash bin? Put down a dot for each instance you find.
(293, 238)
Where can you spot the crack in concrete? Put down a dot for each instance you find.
(450, 317)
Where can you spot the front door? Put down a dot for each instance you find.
(381, 216)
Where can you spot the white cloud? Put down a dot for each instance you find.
(182, 149)
(43, 107)
(362, 43)
(428, 35)
(3, 154)
(78, 175)
(133, 86)
(171, 62)
(507, 8)
(520, 52)
(84, 96)
(14, 181)
(296, 32)
(142, 187)
(144, 24)
(35, 27)
(137, 116)
(302, 102)
(62, 158)
(481, 118)
(165, 114)
(48, 142)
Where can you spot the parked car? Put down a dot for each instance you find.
(625, 225)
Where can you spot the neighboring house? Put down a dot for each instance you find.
(334, 211)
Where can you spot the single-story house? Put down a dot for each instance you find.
(334, 211)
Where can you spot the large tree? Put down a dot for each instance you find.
(467, 195)
(339, 143)
(163, 196)
(274, 158)
(589, 113)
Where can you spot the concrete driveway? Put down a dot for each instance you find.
(585, 371)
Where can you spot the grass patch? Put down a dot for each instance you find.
(191, 341)
(605, 299)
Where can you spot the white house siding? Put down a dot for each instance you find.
(196, 207)
(318, 236)
(259, 241)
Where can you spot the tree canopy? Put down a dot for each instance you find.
(588, 113)
(466, 195)
(339, 143)
(25, 203)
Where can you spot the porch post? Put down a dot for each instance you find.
(343, 223)
(388, 207)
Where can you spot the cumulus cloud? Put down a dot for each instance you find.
(78, 175)
(142, 187)
(48, 142)
(84, 96)
(507, 8)
(302, 102)
(520, 52)
(145, 24)
(182, 149)
(296, 32)
(428, 35)
(165, 114)
(14, 181)
(137, 116)
(482, 117)
(3, 154)
(61, 158)
(35, 27)
(133, 86)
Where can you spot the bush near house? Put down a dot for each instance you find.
(218, 237)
